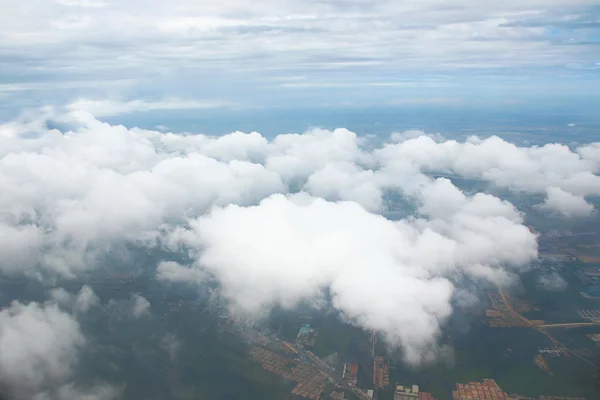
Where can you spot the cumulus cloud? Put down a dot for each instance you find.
(346, 181)
(297, 216)
(530, 169)
(141, 306)
(38, 347)
(61, 297)
(135, 306)
(86, 299)
(393, 277)
(175, 272)
(566, 204)
(296, 157)
(75, 194)
(552, 282)
(566, 176)
(172, 345)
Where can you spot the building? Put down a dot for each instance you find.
(337, 395)
(426, 396)
(592, 291)
(351, 372)
(380, 373)
(304, 330)
(406, 393)
(486, 390)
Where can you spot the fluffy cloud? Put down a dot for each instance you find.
(296, 157)
(530, 169)
(296, 216)
(552, 282)
(141, 306)
(61, 297)
(88, 189)
(172, 345)
(38, 347)
(346, 181)
(393, 277)
(175, 272)
(134, 307)
(86, 299)
(566, 204)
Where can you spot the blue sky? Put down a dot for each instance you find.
(122, 56)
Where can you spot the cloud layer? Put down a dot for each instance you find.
(276, 222)
(71, 48)
(326, 33)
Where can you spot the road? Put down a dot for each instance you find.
(542, 331)
(569, 325)
(321, 366)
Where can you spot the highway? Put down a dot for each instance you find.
(569, 325)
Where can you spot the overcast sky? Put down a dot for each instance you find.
(300, 52)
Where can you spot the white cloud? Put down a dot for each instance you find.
(432, 100)
(66, 84)
(75, 194)
(20, 248)
(38, 346)
(175, 272)
(82, 3)
(189, 46)
(552, 282)
(172, 345)
(141, 306)
(70, 197)
(529, 169)
(591, 153)
(86, 299)
(103, 108)
(346, 181)
(296, 157)
(71, 392)
(61, 297)
(566, 204)
(357, 84)
(394, 277)
(11, 87)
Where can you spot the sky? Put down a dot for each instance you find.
(405, 97)
(116, 57)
